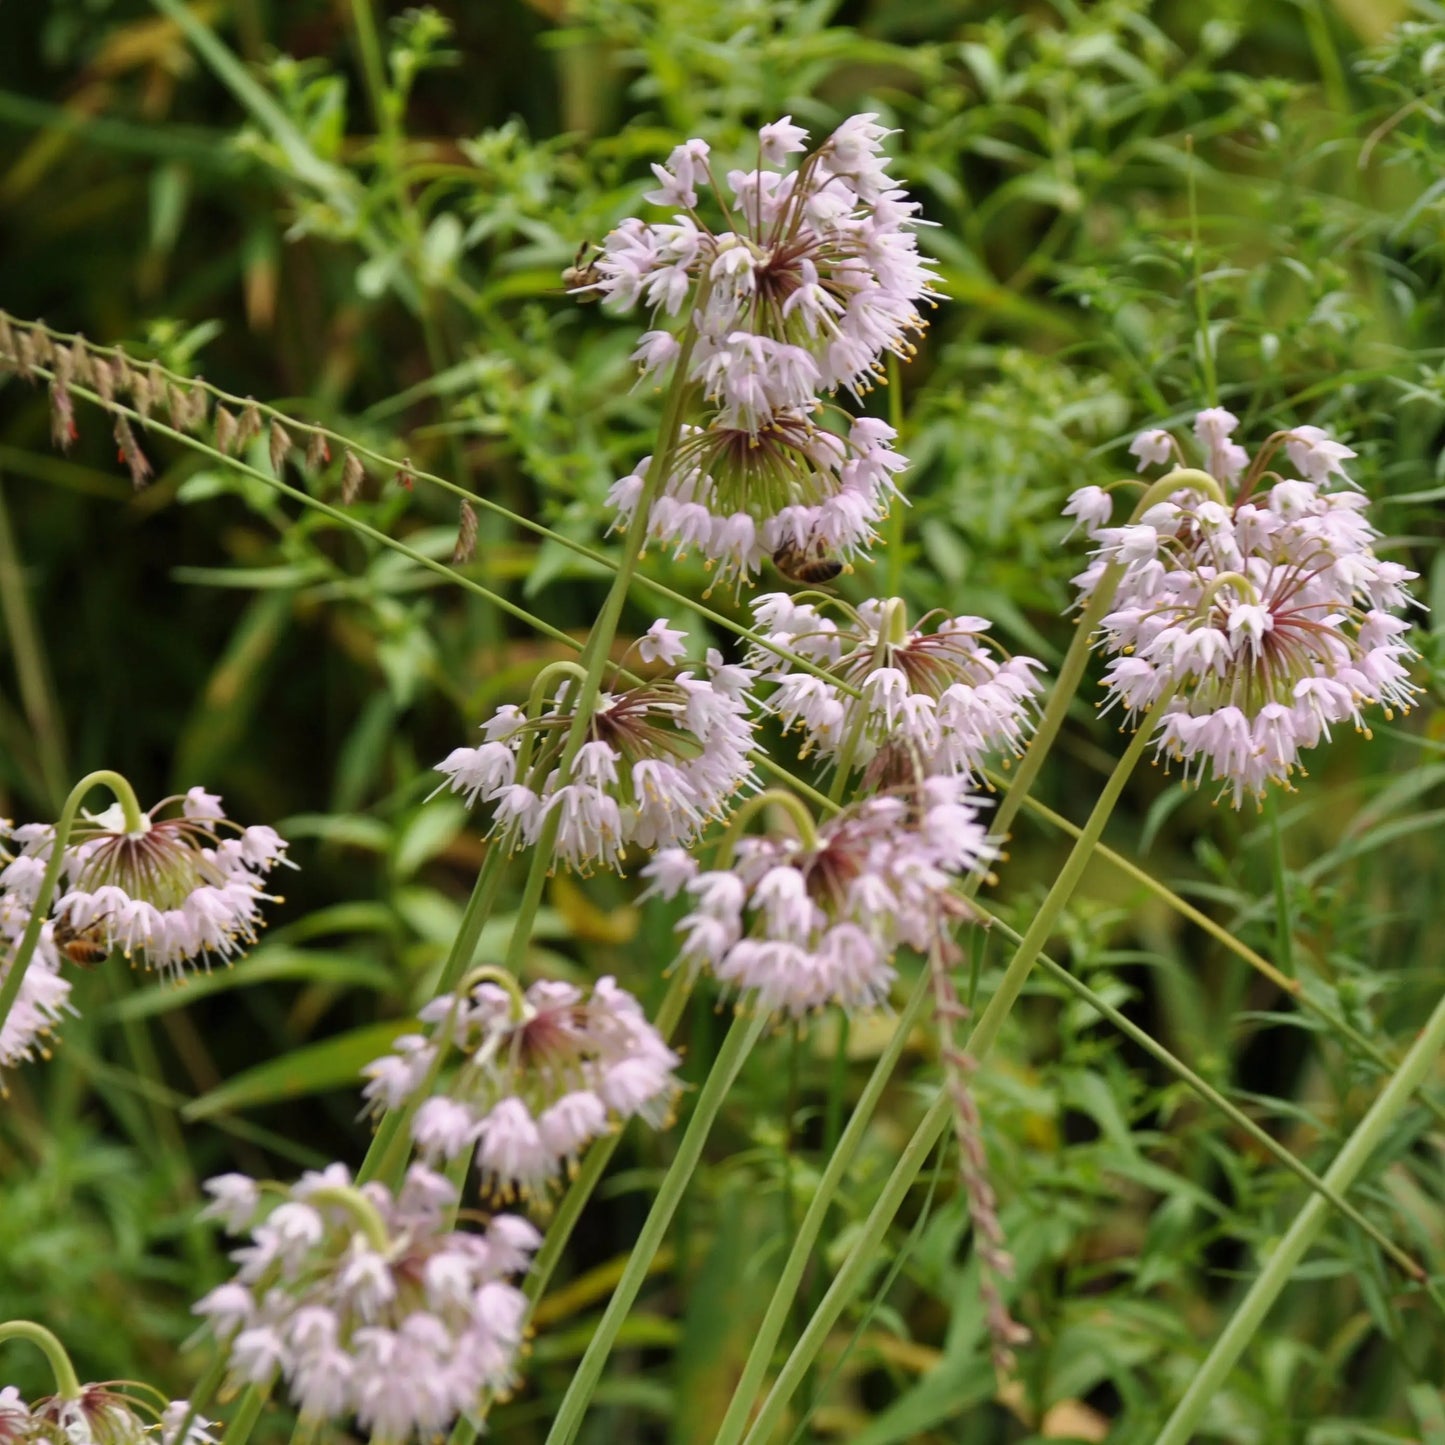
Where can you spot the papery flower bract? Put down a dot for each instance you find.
(802, 927)
(807, 279)
(533, 1088)
(405, 1338)
(663, 759)
(1264, 620)
(929, 702)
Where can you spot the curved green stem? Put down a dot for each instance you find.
(749, 808)
(67, 1383)
(1179, 480)
(740, 1039)
(543, 680)
(40, 909)
(1245, 1323)
(363, 1213)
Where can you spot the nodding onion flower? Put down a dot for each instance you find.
(663, 758)
(541, 1075)
(1256, 606)
(798, 282)
(369, 1305)
(929, 701)
(798, 924)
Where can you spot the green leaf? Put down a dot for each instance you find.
(312, 1069)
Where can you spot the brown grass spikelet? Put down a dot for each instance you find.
(249, 427)
(42, 347)
(7, 340)
(77, 361)
(353, 474)
(131, 454)
(63, 430)
(178, 403)
(318, 451)
(466, 547)
(198, 405)
(280, 443)
(226, 429)
(25, 358)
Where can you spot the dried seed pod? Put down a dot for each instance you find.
(121, 377)
(7, 340)
(178, 403)
(131, 454)
(63, 430)
(249, 427)
(199, 403)
(42, 346)
(25, 357)
(318, 453)
(466, 547)
(104, 379)
(144, 392)
(80, 365)
(280, 445)
(353, 474)
(225, 430)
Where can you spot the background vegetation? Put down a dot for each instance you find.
(363, 218)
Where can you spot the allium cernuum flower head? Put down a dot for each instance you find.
(540, 1076)
(181, 888)
(366, 1304)
(44, 996)
(800, 925)
(797, 281)
(929, 699)
(1262, 614)
(662, 759)
(101, 1414)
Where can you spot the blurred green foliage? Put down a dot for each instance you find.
(364, 218)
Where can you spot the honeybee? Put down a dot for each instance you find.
(582, 273)
(808, 565)
(84, 947)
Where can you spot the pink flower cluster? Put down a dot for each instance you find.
(797, 283)
(1263, 619)
(403, 1332)
(662, 760)
(927, 702)
(540, 1078)
(802, 925)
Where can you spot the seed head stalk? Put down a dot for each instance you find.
(67, 1383)
(125, 796)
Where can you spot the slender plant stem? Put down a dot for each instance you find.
(1368, 1134)
(67, 1384)
(1217, 931)
(574, 1201)
(1071, 672)
(1219, 1102)
(253, 1401)
(386, 1157)
(740, 1039)
(40, 908)
(775, 1319)
(1029, 948)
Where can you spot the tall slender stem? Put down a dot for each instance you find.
(1244, 1325)
(939, 1115)
(744, 1033)
(774, 1321)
